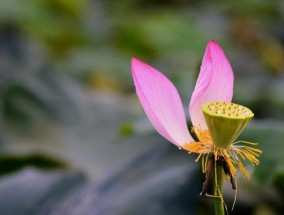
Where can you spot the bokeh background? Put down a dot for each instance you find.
(74, 139)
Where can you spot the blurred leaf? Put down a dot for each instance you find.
(126, 129)
(270, 137)
(103, 81)
(265, 210)
(128, 37)
(154, 35)
(278, 182)
(12, 163)
(71, 8)
(272, 54)
(17, 101)
(56, 23)
(262, 9)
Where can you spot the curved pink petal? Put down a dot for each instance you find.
(215, 82)
(161, 103)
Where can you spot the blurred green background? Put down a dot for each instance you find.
(68, 105)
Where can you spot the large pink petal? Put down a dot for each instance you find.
(161, 103)
(215, 82)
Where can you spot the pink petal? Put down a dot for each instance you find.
(215, 82)
(161, 103)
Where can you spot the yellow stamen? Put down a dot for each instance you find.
(199, 156)
(232, 155)
(243, 170)
(205, 146)
(203, 135)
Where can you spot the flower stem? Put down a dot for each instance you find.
(218, 201)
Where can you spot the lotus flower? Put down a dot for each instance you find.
(216, 121)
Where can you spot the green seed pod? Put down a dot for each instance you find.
(225, 121)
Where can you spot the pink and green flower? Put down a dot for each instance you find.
(217, 122)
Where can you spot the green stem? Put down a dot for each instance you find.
(219, 207)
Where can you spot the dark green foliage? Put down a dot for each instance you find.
(12, 98)
(12, 163)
